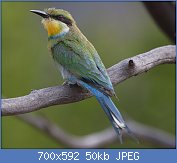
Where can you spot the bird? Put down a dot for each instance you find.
(79, 63)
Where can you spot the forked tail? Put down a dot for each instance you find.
(111, 111)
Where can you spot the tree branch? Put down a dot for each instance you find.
(58, 95)
(101, 138)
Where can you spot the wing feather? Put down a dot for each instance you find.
(83, 62)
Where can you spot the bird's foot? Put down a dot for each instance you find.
(66, 83)
(73, 85)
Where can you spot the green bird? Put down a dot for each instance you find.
(79, 62)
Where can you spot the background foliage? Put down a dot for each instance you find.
(118, 31)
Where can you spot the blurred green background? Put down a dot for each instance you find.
(118, 31)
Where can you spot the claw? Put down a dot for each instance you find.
(65, 83)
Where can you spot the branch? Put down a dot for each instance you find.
(58, 95)
(101, 138)
(164, 14)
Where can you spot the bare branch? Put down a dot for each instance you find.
(101, 138)
(58, 95)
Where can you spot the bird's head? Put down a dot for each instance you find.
(57, 22)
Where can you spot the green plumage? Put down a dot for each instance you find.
(76, 54)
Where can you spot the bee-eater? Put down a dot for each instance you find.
(79, 62)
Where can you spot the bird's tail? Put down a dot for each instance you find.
(111, 111)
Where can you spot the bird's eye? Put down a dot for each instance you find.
(62, 19)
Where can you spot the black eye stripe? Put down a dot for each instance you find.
(62, 19)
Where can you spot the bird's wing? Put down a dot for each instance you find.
(101, 67)
(83, 63)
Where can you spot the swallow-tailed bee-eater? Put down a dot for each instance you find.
(79, 62)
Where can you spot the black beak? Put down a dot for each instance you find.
(40, 13)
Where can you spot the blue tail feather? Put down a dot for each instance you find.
(110, 109)
(108, 113)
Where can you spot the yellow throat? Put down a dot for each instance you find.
(52, 26)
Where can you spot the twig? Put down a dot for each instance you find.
(64, 94)
(101, 138)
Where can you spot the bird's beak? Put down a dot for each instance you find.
(40, 13)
